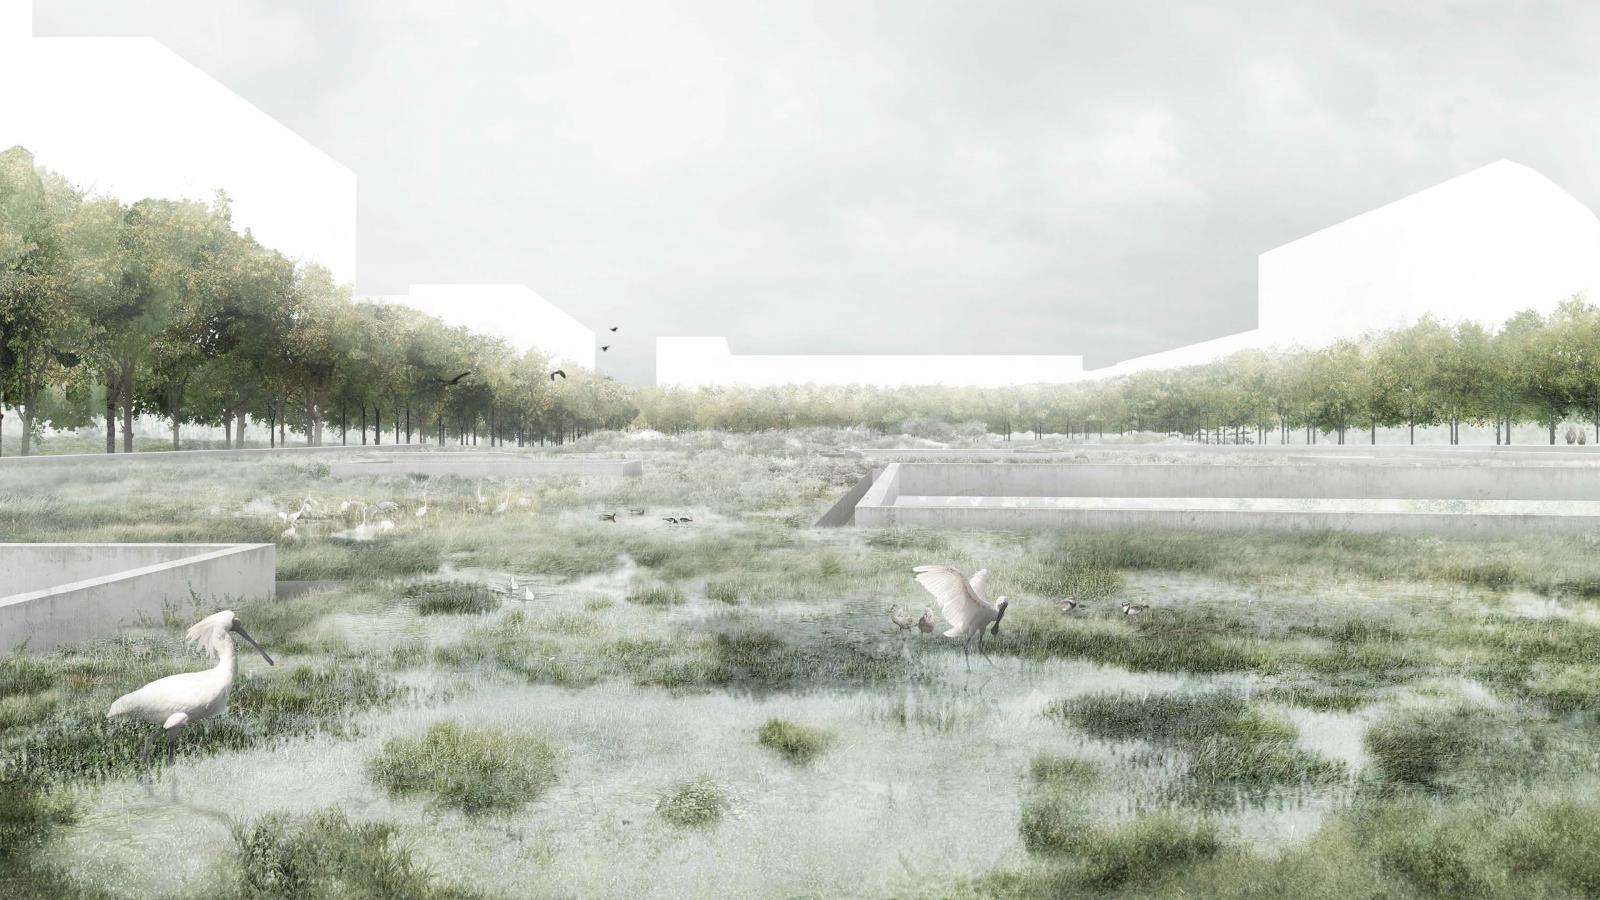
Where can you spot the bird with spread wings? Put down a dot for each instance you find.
(964, 603)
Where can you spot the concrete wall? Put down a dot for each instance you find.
(183, 456)
(499, 467)
(1321, 479)
(53, 596)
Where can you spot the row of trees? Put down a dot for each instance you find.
(161, 307)
(111, 311)
(1534, 368)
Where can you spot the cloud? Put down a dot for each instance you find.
(1036, 177)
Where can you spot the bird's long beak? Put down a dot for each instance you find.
(246, 635)
(995, 628)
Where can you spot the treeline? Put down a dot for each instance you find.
(110, 311)
(1531, 369)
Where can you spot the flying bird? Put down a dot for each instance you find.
(177, 700)
(965, 604)
(604, 347)
(557, 372)
(613, 328)
(455, 379)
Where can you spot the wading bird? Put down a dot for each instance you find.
(501, 507)
(925, 624)
(635, 510)
(289, 534)
(608, 517)
(903, 622)
(423, 509)
(1070, 604)
(965, 604)
(175, 701)
(1133, 609)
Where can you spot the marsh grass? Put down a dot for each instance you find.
(1227, 745)
(655, 594)
(695, 803)
(799, 744)
(442, 597)
(474, 770)
(328, 856)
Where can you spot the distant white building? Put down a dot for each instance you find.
(126, 117)
(511, 311)
(1479, 247)
(707, 361)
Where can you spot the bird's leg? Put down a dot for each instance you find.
(982, 652)
(144, 758)
(172, 737)
(966, 652)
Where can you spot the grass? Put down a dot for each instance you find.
(1227, 745)
(1419, 748)
(655, 595)
(799, 744)
(328, 856)
(432, 598)
(474, 770)
(696, 803)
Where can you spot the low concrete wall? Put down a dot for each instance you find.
(183, 456)
(1342, 479)
(488, 466)
(844, 512)
(56, 594)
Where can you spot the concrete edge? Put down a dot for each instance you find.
(220, 551)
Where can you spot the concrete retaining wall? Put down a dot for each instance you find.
(183, 456)
(56, 594)
(1342, 479)
(494, 467)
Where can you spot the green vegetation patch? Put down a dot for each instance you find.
(475, 770)
(797, 743)
(694, 803)
(328, 857)
(440, 597)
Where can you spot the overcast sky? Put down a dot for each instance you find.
(986, 177)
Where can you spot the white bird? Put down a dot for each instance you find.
(965, 604)
(385, 524)
(289, 534)
(501, 507)
(176, 700)
(423, 509)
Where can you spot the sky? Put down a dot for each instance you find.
(912, 176)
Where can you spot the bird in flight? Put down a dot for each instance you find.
(613, 328)
(455, 379)
(557, 372)
(604, 347)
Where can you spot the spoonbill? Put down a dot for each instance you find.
(423, 509)
(965, 604)
(176, 700)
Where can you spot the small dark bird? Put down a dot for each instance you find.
(613, 328)
(904, 622)
(925, 624)
(1070, 604)
(604, 347)
(453, 380)
(670, 520)
(608, 517)
(684, 520)
(635, 510)
(557, 372)
(1133, 609)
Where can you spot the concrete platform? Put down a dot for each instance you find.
(487, 466)
(57, 594)
(1340, 494)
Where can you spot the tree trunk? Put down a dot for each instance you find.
(26, 412)
(111, 416)
(377, 425)
(127, 411)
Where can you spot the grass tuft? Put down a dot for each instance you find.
(475, 770)
(433, 598)
(693, 804)
(799, 744)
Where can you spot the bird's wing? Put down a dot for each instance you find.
(980, 585)
(960, 607)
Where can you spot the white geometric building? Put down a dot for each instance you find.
(526, 320)
(126, 117)
(697, 361)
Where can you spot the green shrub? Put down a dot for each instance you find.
(692, 804)
(432, 598)
(797, 743)
(1418, 747)
(328, 857)
(655, 594)
(722, 590)
(1143, 850)
(474, 770)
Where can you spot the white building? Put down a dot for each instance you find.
(511, 311)
(126, 117)
(1479, 247)
(704, 361)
